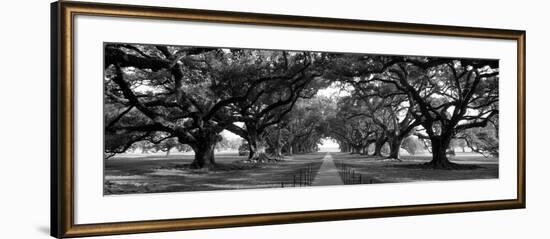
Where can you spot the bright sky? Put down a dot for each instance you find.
(328, 145)
(334, 90)
(229, 135)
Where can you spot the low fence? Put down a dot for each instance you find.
(350, 176)
(304, 177)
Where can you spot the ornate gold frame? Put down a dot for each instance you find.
(62, 185)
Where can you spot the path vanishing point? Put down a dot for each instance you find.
(328, 174)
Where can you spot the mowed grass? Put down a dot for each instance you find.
(409, 170)
(157, 173)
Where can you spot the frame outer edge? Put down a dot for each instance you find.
(266, 19)
(522, 104)
(66, 120)
(54, 124)
(63, 111)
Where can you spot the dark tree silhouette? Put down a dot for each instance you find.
(286, 77)
(195, 93)
(163, 89)
(389, 110)
(445, 95)
(170, 95)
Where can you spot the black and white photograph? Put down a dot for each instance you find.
(185, 118)
(274, 119)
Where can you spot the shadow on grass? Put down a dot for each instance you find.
(234, 166)
(453, 166)
(153, 175)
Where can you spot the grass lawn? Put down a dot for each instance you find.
(390, 171)
(157, 173)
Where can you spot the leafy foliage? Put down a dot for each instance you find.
(166, 97)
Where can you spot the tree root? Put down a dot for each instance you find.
(263, 158)
(391, 159)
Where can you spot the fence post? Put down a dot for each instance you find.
(307, 175)
(303, 177)
(346, 176)
(300, 181)
(310, 173)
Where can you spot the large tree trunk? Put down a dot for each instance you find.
(439, 152)
(277, 152)
(204, 155)
(378, 147)
(277, 148)
(167, 153)
(250, 152)
(204, 150)
(257, 148)
(257, 151)
(365, 150)
(395, 146)
(257, 145)
(289, 145)
(356, 150)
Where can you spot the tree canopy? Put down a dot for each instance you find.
(176, 95)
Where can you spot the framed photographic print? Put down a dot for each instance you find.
(170, 119)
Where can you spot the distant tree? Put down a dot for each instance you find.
(226, 143)
(458, 143)
(354, 131)
(385, 104)
(284, 77)
(447, 96)
(170, 96)
(192, 94)
(481, 140)
(166, 146)
(164, 90)
(389, 110)
(412, 145)
(304, 127)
